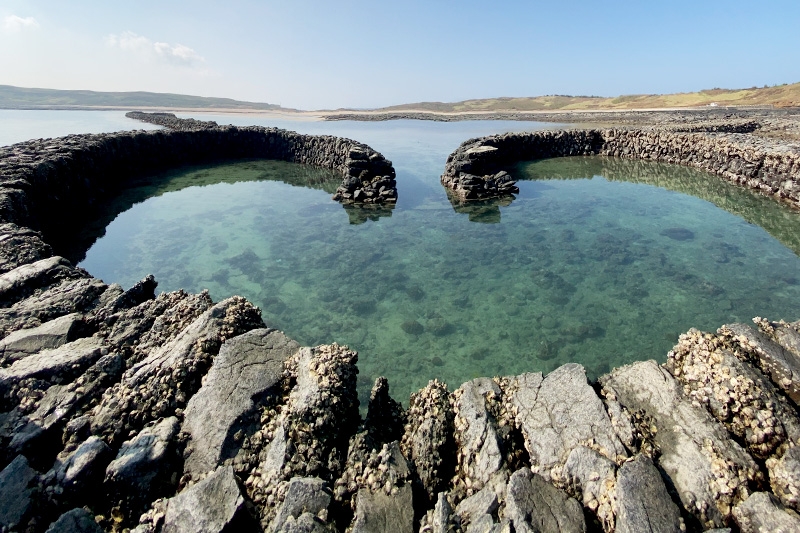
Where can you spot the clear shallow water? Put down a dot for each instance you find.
(594, 271)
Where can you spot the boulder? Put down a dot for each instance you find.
(378, 512)
(52, 334)
(643, 503)
(476, 433)
(784, 477)
(591, 477)
(143, 468)
(304, 495)
(483, 503)
(781, 365)
(17, 494)
(75, 521)
(535, 506)
(20, 246)
(559, 413)
(23, 280)
(708, 470)
(213, 505)
(246, 368)
(761, 512)
(82, 470)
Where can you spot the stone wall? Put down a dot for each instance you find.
(769, 167)
(42, 182)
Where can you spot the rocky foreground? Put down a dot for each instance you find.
(122, 409)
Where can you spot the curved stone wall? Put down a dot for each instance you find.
(42, 182)
(474, 170)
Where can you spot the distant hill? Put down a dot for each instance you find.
(787, 95)
(24, 98)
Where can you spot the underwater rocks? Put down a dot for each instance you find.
(369, 178)
(771, 167)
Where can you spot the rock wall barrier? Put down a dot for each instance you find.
(474, 170)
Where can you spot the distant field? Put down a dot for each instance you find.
(778, 96)
(24, 98)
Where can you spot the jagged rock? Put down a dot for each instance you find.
(535, 506)
(75, 521)
(440, 519)
(484, 502)
(81, 470)
(479, 446)
(305, 523)
(385, 416)
(144, 466)
(304, 495)
(708, 470)
(69, 296)
(643, 503)
(784, 477)
(61, 403)
(20, 282)
(213, 505)
(20, 246)
(760, 512)
(56, 365)
(141, 292)
(378, 512)
(734, 392)
(167, 378)
(17, 495)
(428, 438)
(52, 334)
(591, 477)
(782, 366)
(559, 413)
(246, 367)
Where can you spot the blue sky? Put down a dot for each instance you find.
(330, 54)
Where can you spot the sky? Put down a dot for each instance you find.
(359, 54)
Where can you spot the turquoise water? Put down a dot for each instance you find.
(598, 270)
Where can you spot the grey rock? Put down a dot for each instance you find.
(52, 334)
(246, 367)
(761, 513)
(709, 471)
(560, 412)
(142, 467)
(442, 513)
(69, 296)
(171, 373)
(643, 503)
(535, 506)
(784, 477)
(782, 366)
(54, 365)
(476, 432)
(788, 337)
(304, 495)
(20, 246)
(62, 402)
(75, 521)
(17, 496)
(305, 523)
(83, 469)
(483, 502)
(213, 505)
(379, 512)
(23, 280)
(591, 478)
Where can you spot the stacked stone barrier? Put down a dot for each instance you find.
(126, 410)
(770, 167)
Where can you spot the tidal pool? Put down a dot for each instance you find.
(597, 261)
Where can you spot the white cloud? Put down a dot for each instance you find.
(176, 54)
(15, 23)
